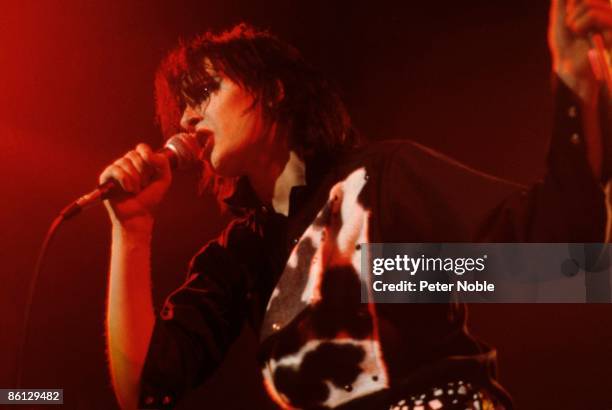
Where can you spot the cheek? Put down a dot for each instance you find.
(237, 128)
(235, 139)
(240, 131)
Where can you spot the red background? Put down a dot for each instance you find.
(468, 78)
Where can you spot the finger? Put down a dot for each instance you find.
(105, 175)
(143, 149)
(131, 173)
(145, 169)
(604, 2)
(591, 18)
(115, 172)
(577, 10)
(558, 10)
(594, 20)
(558, 28)
(157, 160)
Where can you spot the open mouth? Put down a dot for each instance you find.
(206, 143)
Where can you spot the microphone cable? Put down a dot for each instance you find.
(181, 151)
(65, 214)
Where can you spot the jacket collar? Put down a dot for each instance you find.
(244, 198)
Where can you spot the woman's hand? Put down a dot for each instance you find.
(145, 176)
(571, 23)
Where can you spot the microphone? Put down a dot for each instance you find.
(182, 153)
(599, 60)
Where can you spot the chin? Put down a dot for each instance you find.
(223, 166)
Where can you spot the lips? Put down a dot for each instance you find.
(205, 140)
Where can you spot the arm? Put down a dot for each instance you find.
(200, 320)
(155, 360)
(130, 315)
(571, 24)
(569, 205)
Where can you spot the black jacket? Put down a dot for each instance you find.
(296, 281)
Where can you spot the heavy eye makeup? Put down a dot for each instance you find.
(196, 92)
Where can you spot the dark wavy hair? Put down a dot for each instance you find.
(311, 108)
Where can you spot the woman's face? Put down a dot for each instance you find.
(232, 126)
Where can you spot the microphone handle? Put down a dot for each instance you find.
(109, 189)
(112, 188)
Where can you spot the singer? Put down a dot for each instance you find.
(278, 148)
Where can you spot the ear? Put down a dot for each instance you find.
(279, 94)
(280, 91)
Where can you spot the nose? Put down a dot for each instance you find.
(191, 117)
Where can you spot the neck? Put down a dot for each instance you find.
(276, 170)
(273, 184)
(294, 174)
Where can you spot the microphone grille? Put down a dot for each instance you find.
(185, 148)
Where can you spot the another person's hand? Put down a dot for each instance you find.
(571, 23)
(145, 176)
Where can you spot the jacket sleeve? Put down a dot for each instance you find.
(568, 205)
(198, 321)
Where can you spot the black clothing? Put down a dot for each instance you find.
(320, 346)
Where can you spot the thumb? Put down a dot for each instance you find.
(558, 13)
(157, 160)
(160, 161)
(558, 8)
(558, 32)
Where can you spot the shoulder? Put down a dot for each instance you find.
(403, 156)
(410, 159)
(434, 191)
(237, 239)
(384, 150)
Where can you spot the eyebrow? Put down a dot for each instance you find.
(192, 85)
